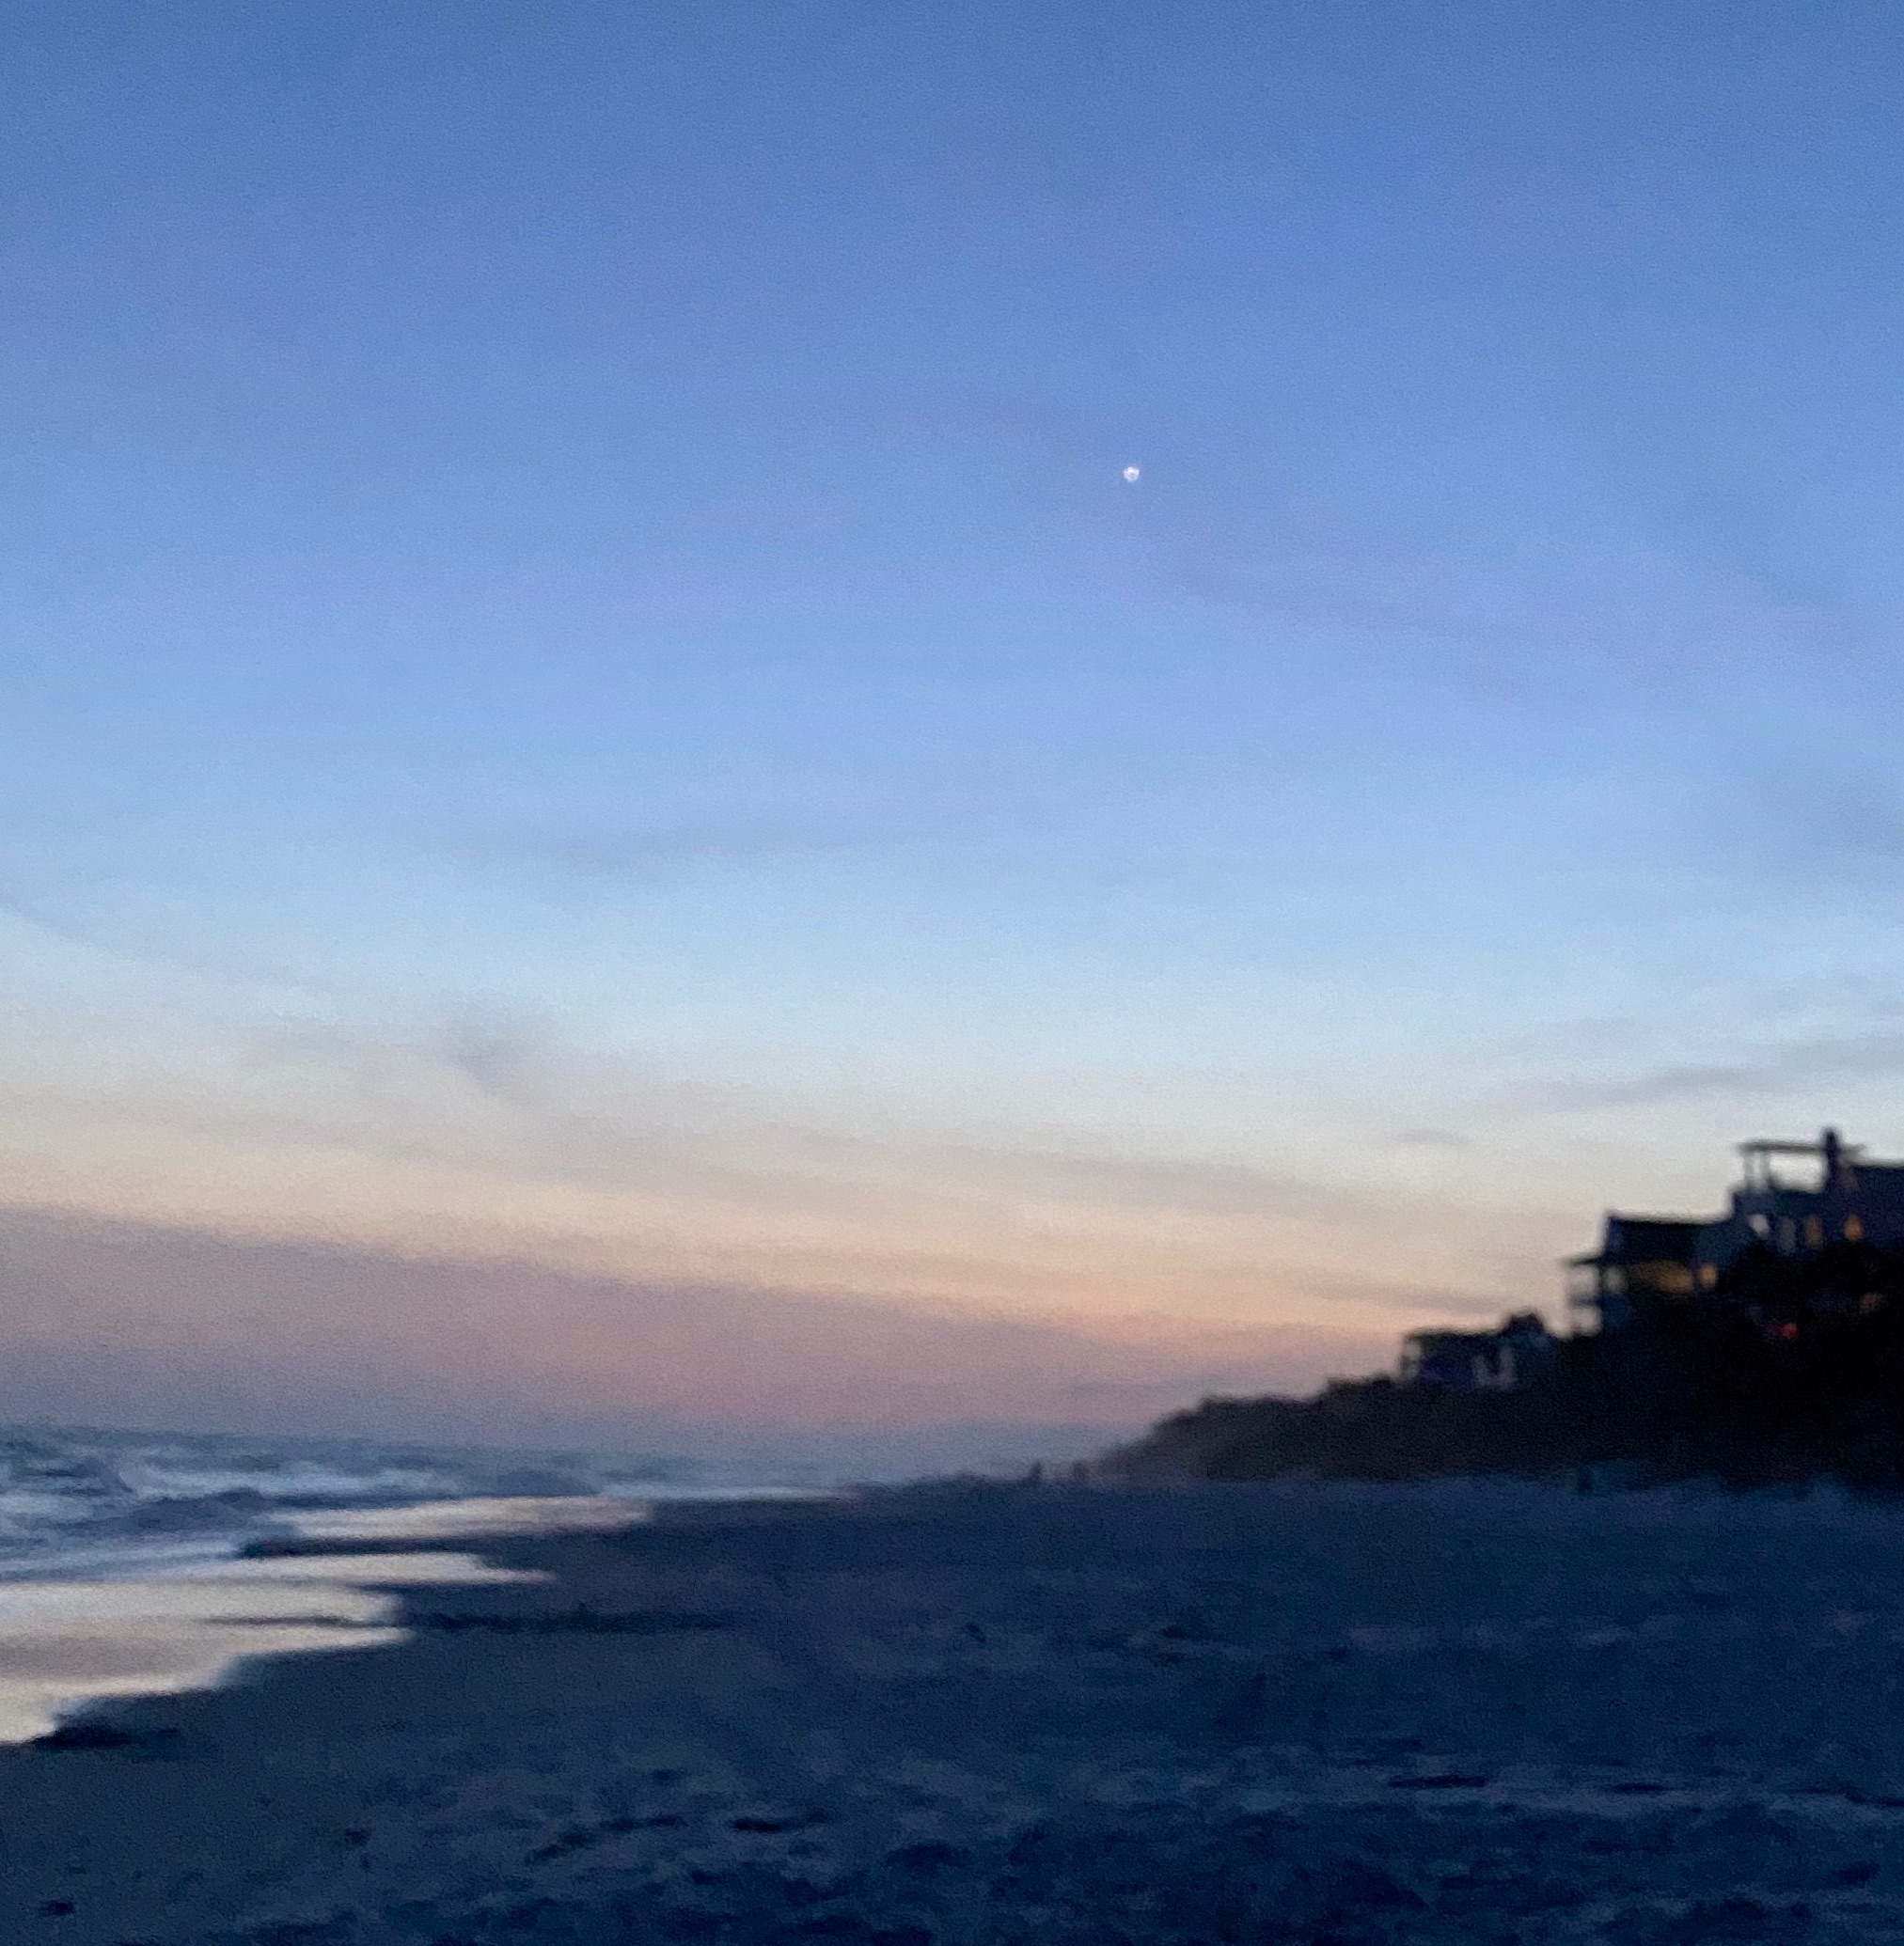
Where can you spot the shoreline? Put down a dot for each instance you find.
(990, 1713)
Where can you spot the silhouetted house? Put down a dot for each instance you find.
(1653, 1260)
(1469, 1362)
(1639, 1258)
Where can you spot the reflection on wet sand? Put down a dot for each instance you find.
(470, 1519)
(69, 1643)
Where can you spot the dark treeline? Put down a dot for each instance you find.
(1791, 1369)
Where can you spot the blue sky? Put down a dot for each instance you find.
(581, 679)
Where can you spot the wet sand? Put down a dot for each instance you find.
(98, 1627)
(1458, 1713)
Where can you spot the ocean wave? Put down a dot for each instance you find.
(73, 1494)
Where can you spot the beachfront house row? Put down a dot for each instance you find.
(1645, 1260)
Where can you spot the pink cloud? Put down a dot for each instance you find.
(138, 1323)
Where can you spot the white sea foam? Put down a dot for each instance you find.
(77, 1498)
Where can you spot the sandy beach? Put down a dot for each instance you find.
(1474, 1713)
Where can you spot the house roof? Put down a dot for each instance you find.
(1644, 1239)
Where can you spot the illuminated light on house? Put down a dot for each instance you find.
(1647, 1260)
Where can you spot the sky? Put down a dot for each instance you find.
(590, 717)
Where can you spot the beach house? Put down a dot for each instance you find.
(1479, 1361)
(1643, 1261)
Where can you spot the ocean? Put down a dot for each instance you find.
(130, 1561)
(88, 1500)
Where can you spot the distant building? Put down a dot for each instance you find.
(1475, 1361)
(1649, 1259)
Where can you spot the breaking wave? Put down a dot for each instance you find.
(82, 1498)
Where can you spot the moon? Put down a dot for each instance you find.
(1132, 475)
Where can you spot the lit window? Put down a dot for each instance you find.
(1854, 1229)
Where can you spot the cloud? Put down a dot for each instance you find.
(558, 862)
(489, 1136)
(607, 1125)
(1144, 1183)
(1770, 1072)
(1817, 831)
(513, 1061)
(498, 1054)
(1690, 1081)
(1671, 603)
(141, 1323)
(1751, 535)
(84, 909)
